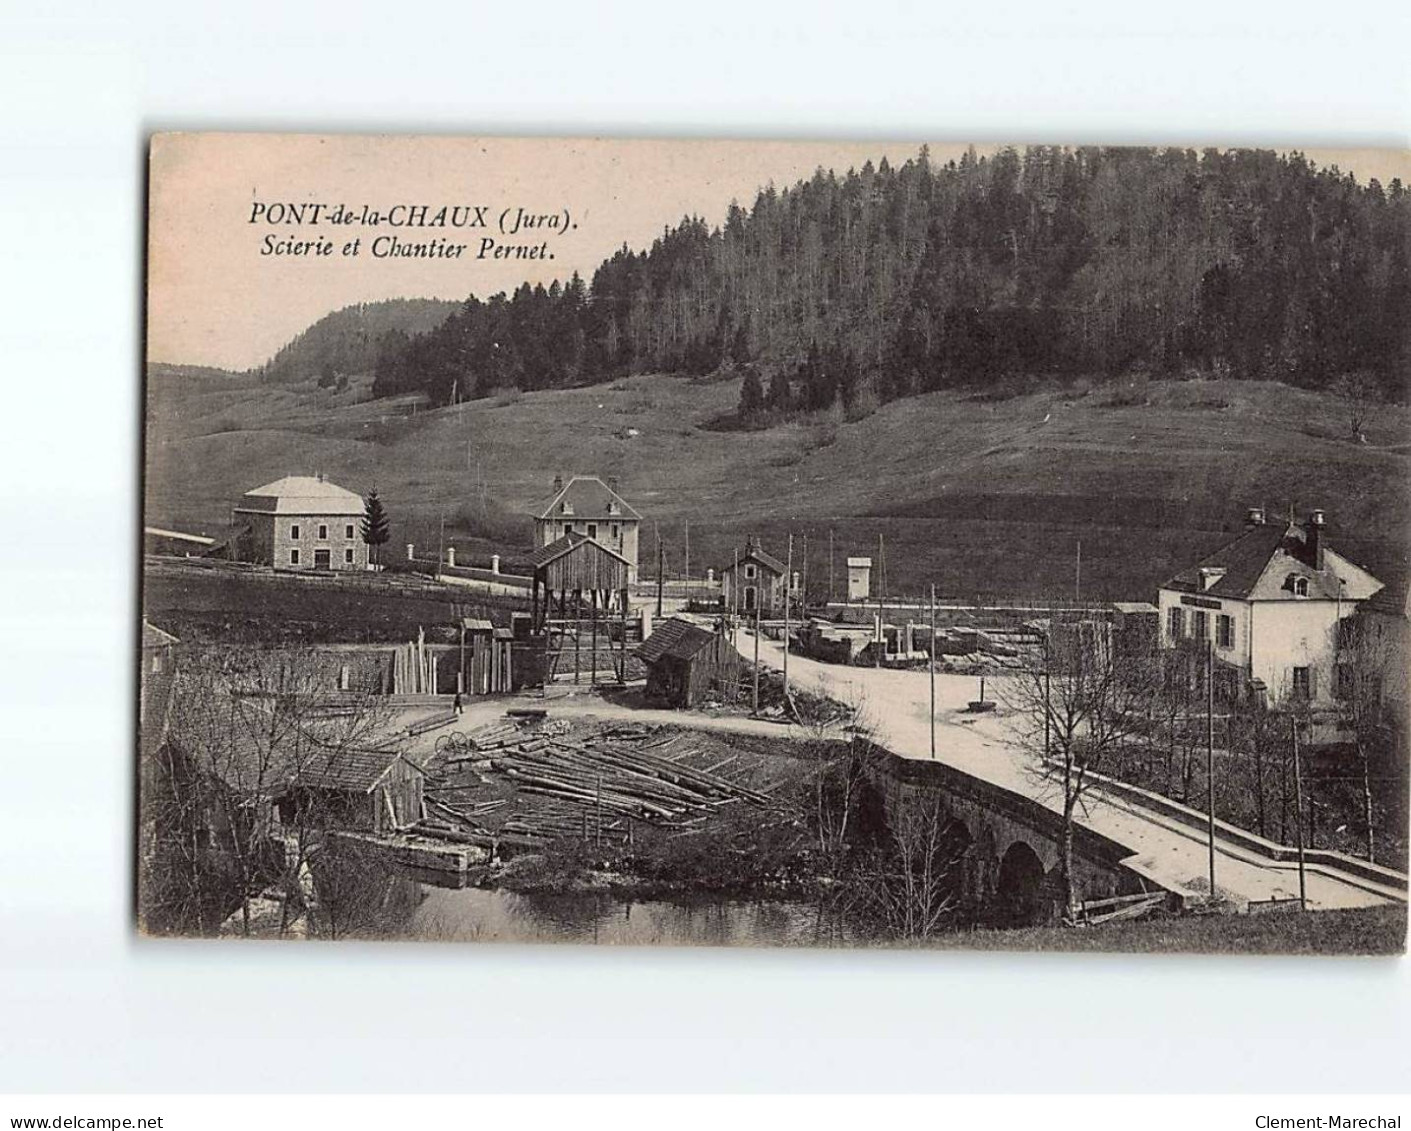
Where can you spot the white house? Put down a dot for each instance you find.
(301, 522)
(587, 505)
(1271, 601)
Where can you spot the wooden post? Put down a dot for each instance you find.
(1298, 812)
(830, 565)
(933, 673)
(577, 628)
(661, 573)
(622, 676)
(593, 674)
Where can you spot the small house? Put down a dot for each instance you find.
(755, 579)
(686, 663)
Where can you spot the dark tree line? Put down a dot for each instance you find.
(1015, 267)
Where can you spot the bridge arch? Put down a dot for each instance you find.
(1019, 895)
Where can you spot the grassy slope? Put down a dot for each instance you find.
(983, 498)
(1378, 930)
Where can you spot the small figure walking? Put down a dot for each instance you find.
(457, 706)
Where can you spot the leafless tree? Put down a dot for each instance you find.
(1361, 393)
(1366, 662)
(911, 885)
(245, 726)
(1078, 712)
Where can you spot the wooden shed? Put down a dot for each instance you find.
(686, 663)
(376, 791)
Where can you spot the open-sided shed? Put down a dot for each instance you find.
(376, 791)
(578, 583)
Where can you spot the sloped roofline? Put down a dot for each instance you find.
(627, 510)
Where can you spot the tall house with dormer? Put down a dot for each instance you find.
(1271, 602)
(591, 506)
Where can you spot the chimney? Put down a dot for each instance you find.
(612, 483)
(1313, 538)
(1254, 517)
(558, 484)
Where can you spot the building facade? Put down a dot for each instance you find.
(1271, 603)
(754, 579)
(590, 506)
(859, 579)
(301, 522)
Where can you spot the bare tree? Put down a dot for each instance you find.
(245, 727)
(1365, 661)
(1076, 712)
(911, 885)
(1361, 393)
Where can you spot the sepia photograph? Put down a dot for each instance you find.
(789, 544)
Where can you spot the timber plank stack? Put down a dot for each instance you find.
(525, 783)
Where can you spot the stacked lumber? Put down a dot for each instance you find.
(414, 668)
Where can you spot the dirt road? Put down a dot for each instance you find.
(896, 706)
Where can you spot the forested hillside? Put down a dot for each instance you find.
(1006, 270)
(346, 341)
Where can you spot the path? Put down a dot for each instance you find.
(895, 706)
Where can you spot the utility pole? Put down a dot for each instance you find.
(757, 606)
(830, 565)
(803, 590)
(1078, 575)
(788, 594)
(688, 563)
(933, 673)
(1210, 754)
(661, 573)
(1298, 812)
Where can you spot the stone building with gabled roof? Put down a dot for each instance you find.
(592, 507)
(301, 522)
(1270, 602)
(754, 579)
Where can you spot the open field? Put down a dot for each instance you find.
(982, 497)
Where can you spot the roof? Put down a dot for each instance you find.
(1257, 564)
(476, 624)
(675, 639)
(154, 637)
(587, 496)
(1135, 607)
(178, 536)
(860, 562)
(760, 557)
(302, 494)
(347, 769)
(568, 543)
(1393, 598)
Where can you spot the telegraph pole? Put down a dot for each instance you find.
(1078, 575)
(788, 594)
(1210, 754)
(1298, 812)
(757, 606)
(661, 573)
(830, 565)
(933, 673)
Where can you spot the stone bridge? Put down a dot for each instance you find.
(1012, 843)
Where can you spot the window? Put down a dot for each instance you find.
(294, 532)
(293, 557)
(1202, 625)
(1225, 631)
(617, 532)
(348, 532)
(568, 528)
(749, 571)
(1302, 683)
(1175, 623)
(592, 530)
(322, 532)
(348, 555)
(156, 662)
(1300, 587)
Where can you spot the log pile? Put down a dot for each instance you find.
(530, 784)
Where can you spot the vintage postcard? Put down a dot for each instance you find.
(776, 544)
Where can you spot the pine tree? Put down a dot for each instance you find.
(375, 528)
(751, 394)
